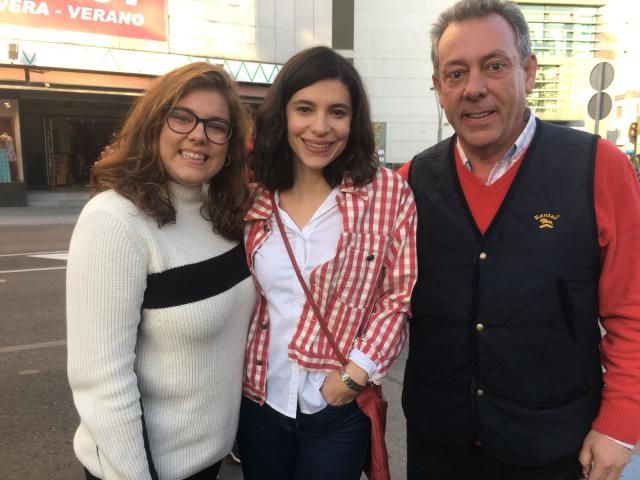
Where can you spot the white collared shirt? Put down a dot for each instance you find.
(314, 244)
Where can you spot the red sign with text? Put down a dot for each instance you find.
(145, 19)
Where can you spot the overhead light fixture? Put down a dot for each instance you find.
(13, 51)
(7, 105)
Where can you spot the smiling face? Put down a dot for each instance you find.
(191, 159)
(318, 124)
(482, 84)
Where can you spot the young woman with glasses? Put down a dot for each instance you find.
(351, 226)
(158, 292)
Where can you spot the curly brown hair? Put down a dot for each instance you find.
(131, 164)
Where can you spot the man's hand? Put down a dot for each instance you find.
(602, 458)
(336, 392)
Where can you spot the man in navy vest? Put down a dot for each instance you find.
(527, 238)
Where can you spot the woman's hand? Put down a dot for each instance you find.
(336, 392)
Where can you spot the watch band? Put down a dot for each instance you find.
(350, 382)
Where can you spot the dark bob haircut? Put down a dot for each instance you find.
(272, 158)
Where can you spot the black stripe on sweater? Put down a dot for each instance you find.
(197, 281)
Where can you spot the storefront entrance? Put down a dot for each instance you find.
(72, 145)
(63, 134)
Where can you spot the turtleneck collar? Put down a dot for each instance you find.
(183, 193)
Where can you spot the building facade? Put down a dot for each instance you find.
(69, 70)
(566, 36)
(621, 37)
(569, 38)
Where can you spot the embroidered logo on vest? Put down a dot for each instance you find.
(545, 220)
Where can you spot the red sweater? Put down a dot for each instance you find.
(617, 205)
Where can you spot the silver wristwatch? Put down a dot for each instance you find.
(350, 382)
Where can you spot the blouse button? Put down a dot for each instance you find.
(259, 362)
(370, 257)
(265, 228)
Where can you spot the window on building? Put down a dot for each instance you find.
(562, 30)
(342, 24)
(544, 97)
(10, 158)
(557, 32)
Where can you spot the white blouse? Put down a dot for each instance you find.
(314, 244)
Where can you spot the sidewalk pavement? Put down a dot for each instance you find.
(39, 215)
(632, 472)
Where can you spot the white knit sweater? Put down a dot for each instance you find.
(157, 353)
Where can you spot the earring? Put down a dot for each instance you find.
(227, 162)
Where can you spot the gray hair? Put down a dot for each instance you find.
(470, 9)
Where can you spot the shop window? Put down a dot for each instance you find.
(10, 158)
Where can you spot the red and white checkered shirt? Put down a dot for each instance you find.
(364, 291)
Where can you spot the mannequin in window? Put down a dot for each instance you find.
(8, 160)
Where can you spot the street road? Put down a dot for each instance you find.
(37, 416)
(36, 411)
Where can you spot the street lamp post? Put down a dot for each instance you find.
(439, 110)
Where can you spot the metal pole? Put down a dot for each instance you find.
(599, 102)
(439, 110)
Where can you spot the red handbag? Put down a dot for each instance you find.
(374, 406)
(370, 399)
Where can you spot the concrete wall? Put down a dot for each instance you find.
(391, 51)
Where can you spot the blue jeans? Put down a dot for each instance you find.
(332, 444)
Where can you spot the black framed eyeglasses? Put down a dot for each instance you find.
(181, 120)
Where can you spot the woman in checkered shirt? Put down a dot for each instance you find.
(351, 226)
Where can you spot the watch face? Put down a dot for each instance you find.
(350, 382)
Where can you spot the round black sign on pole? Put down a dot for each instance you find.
(601, 76)
(600, 104)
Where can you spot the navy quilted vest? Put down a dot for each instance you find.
(504, 340)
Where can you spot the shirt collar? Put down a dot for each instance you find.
(261, 206)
